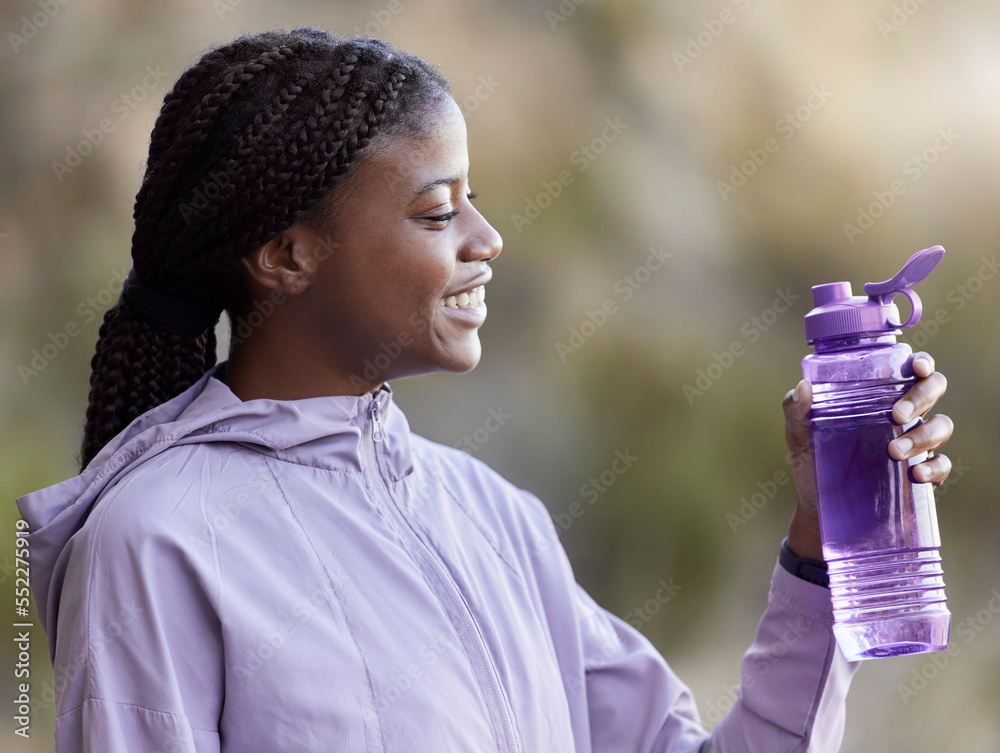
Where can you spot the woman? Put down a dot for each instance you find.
(259, 555)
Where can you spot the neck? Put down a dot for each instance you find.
(255, 370)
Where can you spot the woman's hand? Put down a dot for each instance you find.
(803, 534)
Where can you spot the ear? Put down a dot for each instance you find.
(288, 261)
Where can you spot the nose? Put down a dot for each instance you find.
(483, 243)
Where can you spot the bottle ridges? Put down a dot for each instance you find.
(868, 587)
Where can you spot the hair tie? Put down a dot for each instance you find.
(182, 316)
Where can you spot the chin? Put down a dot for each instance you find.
(466, 359)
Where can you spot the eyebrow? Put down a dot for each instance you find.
(434, 184)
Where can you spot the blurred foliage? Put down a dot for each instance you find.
(895, 78)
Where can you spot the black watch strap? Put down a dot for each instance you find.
(813, 571)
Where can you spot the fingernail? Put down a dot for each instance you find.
(905, 409)
(903, 445)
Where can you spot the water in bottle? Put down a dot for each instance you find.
(878, 526)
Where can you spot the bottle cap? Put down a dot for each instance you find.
(838, 313)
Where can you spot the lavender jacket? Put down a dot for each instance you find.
(308, 575)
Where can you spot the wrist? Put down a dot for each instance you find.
(804, 537)
(808, 569)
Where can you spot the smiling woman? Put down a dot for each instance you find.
(301, 571)
(400, 255)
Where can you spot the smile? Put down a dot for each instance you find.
(466, 300)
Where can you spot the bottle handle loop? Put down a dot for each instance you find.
(914, 304)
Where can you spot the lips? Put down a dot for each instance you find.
(475, 282)
(468, 296)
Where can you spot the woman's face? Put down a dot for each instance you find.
(408, 258)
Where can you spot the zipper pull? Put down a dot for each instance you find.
(376, 423)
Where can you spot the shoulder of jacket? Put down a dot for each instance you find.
(165, 498)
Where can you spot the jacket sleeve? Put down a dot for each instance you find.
(792, 695)
(794, 679)
(138, 654)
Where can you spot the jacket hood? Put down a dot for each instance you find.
(325, 432)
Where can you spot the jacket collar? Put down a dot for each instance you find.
(325, 432)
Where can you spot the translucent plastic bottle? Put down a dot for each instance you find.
(879, 527)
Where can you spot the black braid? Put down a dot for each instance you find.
(252, 138)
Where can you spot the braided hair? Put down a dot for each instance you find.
(252, 138)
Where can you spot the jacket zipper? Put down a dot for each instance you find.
(500, 699)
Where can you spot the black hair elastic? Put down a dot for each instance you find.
(182, 316)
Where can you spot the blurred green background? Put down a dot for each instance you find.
(758, 148)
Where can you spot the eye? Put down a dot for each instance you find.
(443, 217)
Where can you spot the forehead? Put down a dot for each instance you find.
(410, 160)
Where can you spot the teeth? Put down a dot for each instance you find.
(466, 300)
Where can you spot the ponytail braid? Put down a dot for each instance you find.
(252, 138)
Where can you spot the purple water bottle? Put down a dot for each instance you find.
(879, 527)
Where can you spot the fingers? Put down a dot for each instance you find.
(920, 398)
(928, 436)
(923, 364)
(796, 405)
(933, 471)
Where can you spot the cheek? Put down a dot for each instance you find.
(428, 281)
